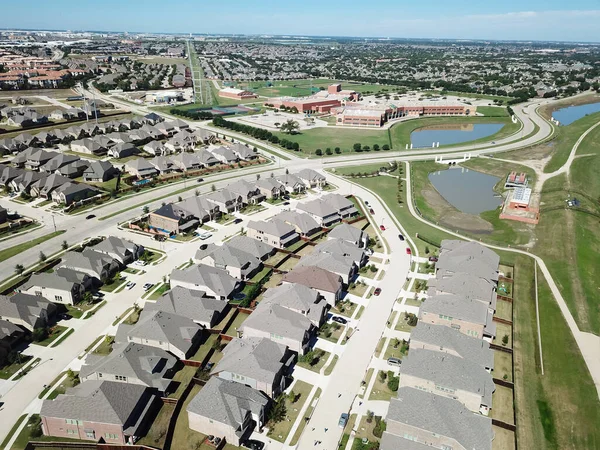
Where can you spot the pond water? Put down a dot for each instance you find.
(467, 190)
(452, 134)
(566, 116)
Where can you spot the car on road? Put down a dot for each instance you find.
(377, 292)
(400, 237)
(285, 197)
(148, 286)
(343, 420)
(160, 237)
(371, 211)
(253, 444)
(408, 251)
(90, 216)
(203, 235)
(238, 220)
(130, 285)
(286, 203)
(493, 142)
(339, 319)
(394, 362)
(367, 203)
(381, 227)
(200, 180)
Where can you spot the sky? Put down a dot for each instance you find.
(553, 20)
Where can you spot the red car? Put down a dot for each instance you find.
(408, 251)
(381, 227)
(371, 211)
(377, 292)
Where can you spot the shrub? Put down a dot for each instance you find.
(318, 152)
(393, 383)
(385, 147)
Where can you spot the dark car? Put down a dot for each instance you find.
(381, 227)
(433, 259)
(160, 237)
(65, 316)
(377, 291)
(286, 203)
(371, 211)
(238, 220)
(200, 180)
(285, 197)
(400, 237)
(253, 444)
(91, 216)
(339, 319)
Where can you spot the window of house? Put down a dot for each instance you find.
(71, 431)
(90, 434)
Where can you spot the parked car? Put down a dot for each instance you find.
(408, 251)
(148, 286)
(377, 292)
(394, 362)
(64, 316)
(140, 263)
(238, 220)
(433, 259)
(253, 444)
(203, 235)
(381, 227)
(130, 285)
(339, 319)
(286, 203)
(343, 420)
(285, 197)
(90, 216)
(400, 237)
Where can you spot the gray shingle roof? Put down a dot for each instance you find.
(26, 307)
(466, 285)
(252, 246)
(217, 280)
(178, 331)
(456, 306)
(278, 320)
(273, 227)
(310, 175)
(258, 358)
(142, 362)
(227, 402)
(468, 257)
(346, 232)
(333, 262)
(225, 256)
(449, 371)
(7, 329)
(390, 441)
(341, 247)
(449, 339)
(302, 222)
(189, 303)
(48, 280)
(97, 401)
(299, 298)
(443, 416)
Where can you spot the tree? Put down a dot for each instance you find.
(393, 383)
(385, 147)
(257, 176)
(278, 411)
(213, 188)
(180, 199)
(39, 334)
(289, 126)
(505, 339)
(64, 245)
(318, 152)
(357, 147)
(19, 269)
(43, 257)
(328, 151)
(376, 147)
(337, 150)
(146, 209)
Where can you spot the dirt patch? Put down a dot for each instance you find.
(450, 217)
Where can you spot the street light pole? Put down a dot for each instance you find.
(53, 223)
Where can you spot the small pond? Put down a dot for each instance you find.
(467, 190)
(452, 134)
(570, 114)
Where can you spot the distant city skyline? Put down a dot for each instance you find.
(451, 19)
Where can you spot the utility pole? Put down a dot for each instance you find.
(53, 223)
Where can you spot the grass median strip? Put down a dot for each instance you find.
(20, 248)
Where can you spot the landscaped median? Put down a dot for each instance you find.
(20, 248)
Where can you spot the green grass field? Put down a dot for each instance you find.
(492, 111)
(15, 250)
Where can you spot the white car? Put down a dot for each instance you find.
(140, 263)
(204, 235)
(130, 285)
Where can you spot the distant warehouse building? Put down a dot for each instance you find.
(236, 94)
(321, 102)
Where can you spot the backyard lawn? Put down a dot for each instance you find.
(503, 439)
(504, 310)
(502, 404)
(503, 330)
(236, 324)
(503, 365)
